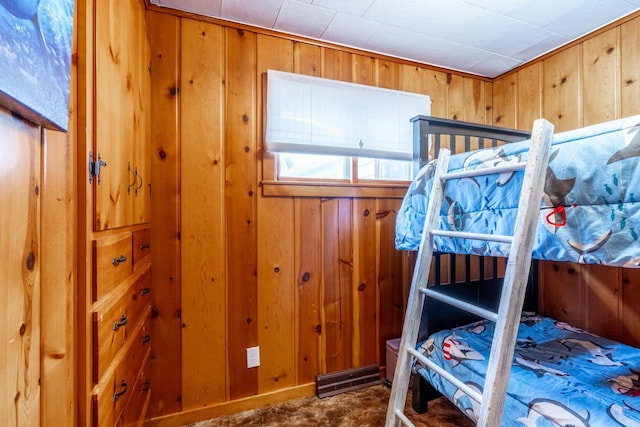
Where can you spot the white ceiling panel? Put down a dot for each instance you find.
(297, 17)
(350, 30)
(484, 37)
(350, 7)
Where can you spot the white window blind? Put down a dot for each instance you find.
(321, 116)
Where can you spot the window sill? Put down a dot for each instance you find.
(327, 189)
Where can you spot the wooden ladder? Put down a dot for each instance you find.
(513, 290)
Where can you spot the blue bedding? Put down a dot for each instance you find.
(561, 375)
(590, 212)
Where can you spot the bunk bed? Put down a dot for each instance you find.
(590, 213)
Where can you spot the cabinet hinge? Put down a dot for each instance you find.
(94, 167)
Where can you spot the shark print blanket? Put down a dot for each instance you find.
(590, 211)
(560, 376)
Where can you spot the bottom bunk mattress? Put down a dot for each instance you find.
(561, 375)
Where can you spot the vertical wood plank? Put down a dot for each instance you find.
(203, 217)
(20, 272)
(390, 275)
(308, 233)
(600, 62)
(529, 107)
(561, 292)
(601, 287)
(629, 313)
(388, 74)
(58, 276)
(629, 71)
(277, 304)
(455, 97)
(562, 84)
(307, 59)
(274, 53)
(365, 292)
(474, 98)
(166, 372)
(504, 101)
(240, 203)
(336, 64)
(337, 273)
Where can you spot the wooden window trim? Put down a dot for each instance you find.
(271, 188)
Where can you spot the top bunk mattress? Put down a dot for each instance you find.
(590, 212)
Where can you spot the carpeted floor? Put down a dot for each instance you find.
(362, 408)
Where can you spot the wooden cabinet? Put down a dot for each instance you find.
(115, 317)
(121, 331)
(122, 116)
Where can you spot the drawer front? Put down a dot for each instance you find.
(136, 409)
(112, 258)
(141, 244)
(114, 392)
(113, 325)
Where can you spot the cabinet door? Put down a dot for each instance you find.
(122, 114)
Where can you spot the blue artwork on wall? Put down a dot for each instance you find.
(35, 59)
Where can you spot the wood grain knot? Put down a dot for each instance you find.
(362, 287)
(249, 320)
(23, 329)
(366, 212)
(306, 276)
(36, 190)
(31, 261)
(245, 118)
(318, 329)
(162, 154)
(277, 269)
(174, 90)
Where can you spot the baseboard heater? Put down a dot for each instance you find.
(347, 380)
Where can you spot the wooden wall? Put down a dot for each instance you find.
(589, 82)
(314, 281)
(37, 280)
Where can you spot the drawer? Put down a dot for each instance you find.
(111, 263)
(141, 244)
(114, 391)
(114, 324)
(136, 409)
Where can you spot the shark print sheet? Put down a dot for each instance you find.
(590, 212)
(561, 375)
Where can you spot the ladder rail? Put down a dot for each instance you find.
(462, 305)
(415, 302)
(515, 280)
(513, 291)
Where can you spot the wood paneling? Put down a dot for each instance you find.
(165, 34)
(203, 217)
(240, 204)
(601, 84)
(590, 82)
(629, 70)
(20, 272)
(561, 90)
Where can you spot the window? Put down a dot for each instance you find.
(325, 129)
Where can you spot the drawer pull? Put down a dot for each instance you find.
(122, 322)
(119, 394)
(145, 339)
(117, 260)
(144, 246)
(145, 386)
(144, 291)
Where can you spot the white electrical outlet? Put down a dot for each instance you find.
(253, 357)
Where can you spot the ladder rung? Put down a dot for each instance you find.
(484, 171)
(404, 418)
(473, 236)
(470, 308)
(473, 394)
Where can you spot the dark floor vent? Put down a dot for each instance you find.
(347, 380)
